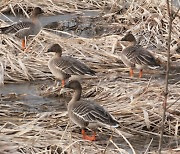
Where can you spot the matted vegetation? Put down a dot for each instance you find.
(136, 103)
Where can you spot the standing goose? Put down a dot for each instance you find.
(63, 67)
(135, 56)
(86, 113)
(25, 28)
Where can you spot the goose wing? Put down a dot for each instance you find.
(20, 28)
(88, 111)
(138, 55)
(72, 66)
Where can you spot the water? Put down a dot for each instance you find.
(176, 3)
(28, 98)
(68, 22)
(45, 20)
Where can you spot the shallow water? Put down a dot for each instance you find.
(45, 20)
(29, 99)
(67, 22)
(176, 3)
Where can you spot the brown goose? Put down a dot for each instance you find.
(63, 67)
(87, 113)
(25, 28)
(135, 56)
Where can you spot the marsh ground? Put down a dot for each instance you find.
(33, 117)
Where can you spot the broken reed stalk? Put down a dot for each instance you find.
(166, 78)
(171, 18)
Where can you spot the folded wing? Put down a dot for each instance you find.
(91, 112)
(138, 55)
(20, 29)
(72, 66)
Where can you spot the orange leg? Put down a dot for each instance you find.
(23, 44)
(86, 137)
(131, 72)
(63, 83)
(140, 73)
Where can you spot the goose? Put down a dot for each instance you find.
(87, 113)
(135, 56)
(25, 28)
(63, 67)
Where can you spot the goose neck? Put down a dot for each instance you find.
(76, 95)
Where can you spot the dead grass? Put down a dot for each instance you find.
(136, 103)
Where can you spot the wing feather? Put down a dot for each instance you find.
(14, 28)
(91, 112)
(72, 66)
(138, 55)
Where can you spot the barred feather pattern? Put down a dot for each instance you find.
(138, 55)
(72, 66)
(22, 29)
(90, 112)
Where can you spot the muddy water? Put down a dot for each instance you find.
(67, 17)
(28, 97)
(68, 22)
(45, 20)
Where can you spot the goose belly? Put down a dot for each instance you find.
(126, 61)
(56, 72)
(140, 67)
(77, 120)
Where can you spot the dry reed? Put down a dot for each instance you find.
(137, 103)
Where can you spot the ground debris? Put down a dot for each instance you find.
(136, 103)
